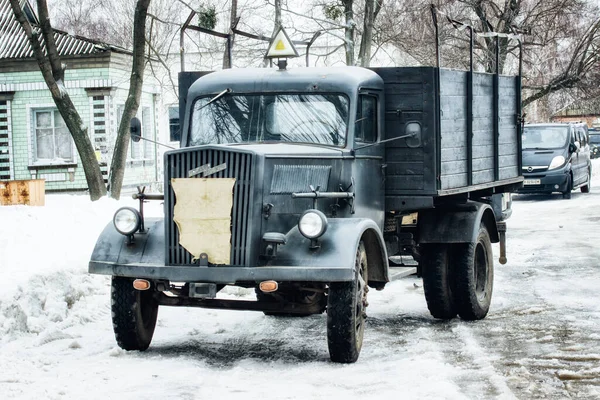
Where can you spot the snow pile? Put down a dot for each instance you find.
(45, 251)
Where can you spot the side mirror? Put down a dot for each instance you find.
(135, 129)
(413, 128)
(574, 147)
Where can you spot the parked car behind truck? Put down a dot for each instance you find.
(295, 182)
(556, 158)
(594, 134)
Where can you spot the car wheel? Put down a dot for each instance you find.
(586, 188)
(346, 312)
(134, 314)
(474, 271)
(438, 280)
(567, 193)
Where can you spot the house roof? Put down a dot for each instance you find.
(15, 45)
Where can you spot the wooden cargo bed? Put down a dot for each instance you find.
(452, 156)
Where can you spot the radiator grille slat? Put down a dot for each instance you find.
(239, 166)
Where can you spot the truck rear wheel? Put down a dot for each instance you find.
(474, 270)
(346, 312)
(134, 314)
(438, 280)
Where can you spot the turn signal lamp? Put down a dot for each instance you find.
(268, 286)
(141, 284)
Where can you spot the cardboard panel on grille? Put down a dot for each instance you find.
(203, 216)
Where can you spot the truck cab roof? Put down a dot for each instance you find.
(346, 80)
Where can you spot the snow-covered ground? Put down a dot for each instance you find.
(541, 338)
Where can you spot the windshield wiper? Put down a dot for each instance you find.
(217, 97)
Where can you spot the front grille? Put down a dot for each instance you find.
(239, 166)
(534, 168)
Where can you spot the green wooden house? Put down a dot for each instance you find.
(34, 141)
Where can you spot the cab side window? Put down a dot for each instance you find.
(366, 119)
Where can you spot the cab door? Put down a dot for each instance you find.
(367, 168)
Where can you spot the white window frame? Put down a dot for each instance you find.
(32, 138)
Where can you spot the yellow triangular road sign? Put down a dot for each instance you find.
(281, 46)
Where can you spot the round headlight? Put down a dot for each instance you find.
(127, 220)
(556, 162)
(312, 224)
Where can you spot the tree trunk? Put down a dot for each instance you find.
(372, 8)
(229, 47)
(53, 73)
(119, 159)
(349, 30)
(277, 17)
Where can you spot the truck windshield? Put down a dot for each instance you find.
(545, 137)
(296, 118)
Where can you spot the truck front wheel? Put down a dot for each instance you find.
(438, 280)
(474, 269)
(134, 314)
(346, 312)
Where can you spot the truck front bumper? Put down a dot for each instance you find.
(223, 274)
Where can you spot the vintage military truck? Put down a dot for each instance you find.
(302, 183)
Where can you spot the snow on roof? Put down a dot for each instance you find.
(14, 43)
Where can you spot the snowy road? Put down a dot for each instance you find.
(541, 338)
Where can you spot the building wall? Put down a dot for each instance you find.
(591, 120)
(96, 92)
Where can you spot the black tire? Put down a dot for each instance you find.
(567, 193)
(588, 186)
(346, 312)
(438, 280)
(474, 276)
(134, 314)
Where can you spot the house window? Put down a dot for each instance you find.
(174, 127)
(52, 141)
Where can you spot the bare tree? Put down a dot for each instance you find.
(560, 40)
(53, 72)
(84, 18)
(582, 70)
(232, 21)
(117, 167)
(372, 9)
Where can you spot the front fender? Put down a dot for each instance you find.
(146, 248)
(459, 224)
(337, 248)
